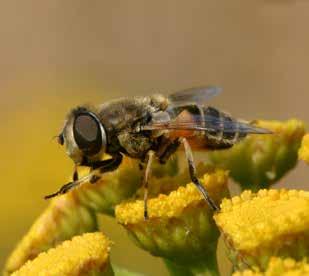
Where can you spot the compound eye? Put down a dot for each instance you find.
(87, 134)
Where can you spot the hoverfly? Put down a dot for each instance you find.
(146, 128)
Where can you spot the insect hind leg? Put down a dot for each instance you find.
(193, 175)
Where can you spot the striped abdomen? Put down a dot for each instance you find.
(207, 127)
(224, 131)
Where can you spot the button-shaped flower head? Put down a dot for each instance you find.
(83, 255)
(180, 227)
(268, 223)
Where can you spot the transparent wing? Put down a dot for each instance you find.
(198, 95)
(207, 123)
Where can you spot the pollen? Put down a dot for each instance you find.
(303, 152)
(80, 256)
(173, 204)
(264, 224)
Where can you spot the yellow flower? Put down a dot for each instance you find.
(269, 223)
(280, 267)
(83, 255)
(74, 213)
(118, 185)
(63, 219)
(163, 181)
(111, 189)
(180, 227)
(260, 160)
(303, 152)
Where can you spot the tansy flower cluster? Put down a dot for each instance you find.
(265, 231)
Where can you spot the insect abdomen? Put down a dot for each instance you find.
(223, 129)
(218, 130)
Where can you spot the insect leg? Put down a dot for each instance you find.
(65, 188)
(93, 177)
(193, 175)
(168, 151)
(100, 167)
(145, 182)
(107, 165)
(75, 174)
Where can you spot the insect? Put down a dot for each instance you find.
(146, 128)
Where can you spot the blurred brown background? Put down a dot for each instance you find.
(57, 54)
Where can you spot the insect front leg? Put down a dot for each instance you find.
(150, 155)
(106, 165)
(75, 174)
(99, 168)
(193, 175)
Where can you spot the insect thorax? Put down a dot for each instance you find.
(123, 117)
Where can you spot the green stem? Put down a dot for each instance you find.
(207, 266)
(177, 270)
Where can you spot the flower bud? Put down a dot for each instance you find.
(303, 152)
(260, 160)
